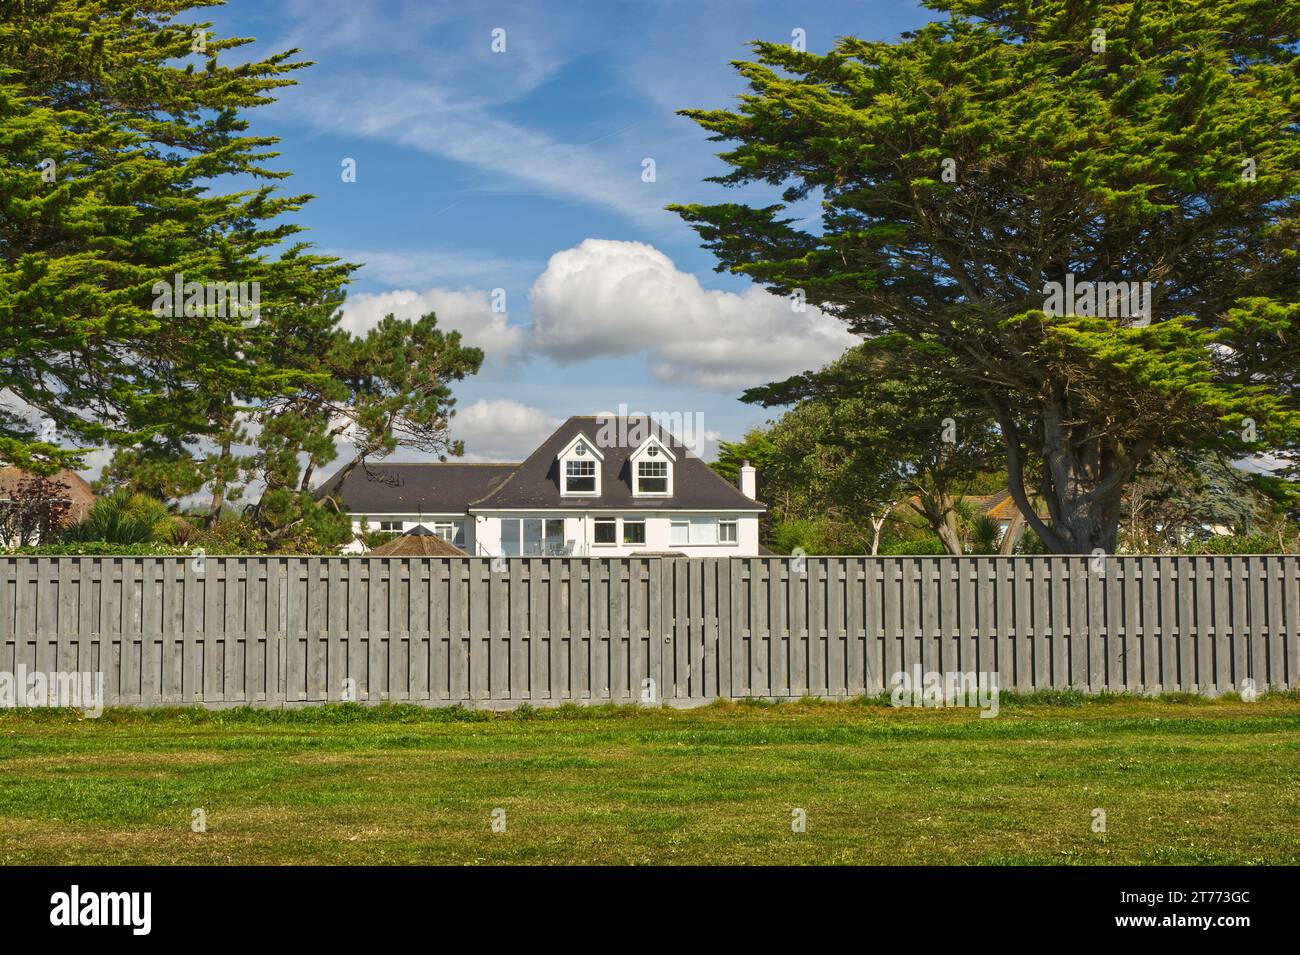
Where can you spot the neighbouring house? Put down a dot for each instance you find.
(1002, 509)
(25, 498)
(581, 493)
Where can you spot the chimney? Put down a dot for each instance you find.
(749, 481)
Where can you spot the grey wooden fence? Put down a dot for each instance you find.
(436, 631)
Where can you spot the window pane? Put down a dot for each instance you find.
(604, 532)
(704, 530)
(680, 532)
(510, 537)
(532, 537)
(652, 477)
(580, 476)
(633, 532)
(554, 543)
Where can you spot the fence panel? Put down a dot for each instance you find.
(289, 631)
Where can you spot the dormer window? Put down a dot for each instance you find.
(652, 469)
(580, 476)
(652, 477)
(580, 469)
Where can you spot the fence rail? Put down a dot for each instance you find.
(287, 631)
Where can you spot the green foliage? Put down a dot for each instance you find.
(155, 176)
(373, 539)
(124, 518)
(1031, 543)
(871, 435)
(1123, 163)
(227, 535)
(985, 536)
(99, 548)
(1236, 544)
(757, 448)
(117, 150)
(916, 546)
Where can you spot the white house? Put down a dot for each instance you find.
(596, 487)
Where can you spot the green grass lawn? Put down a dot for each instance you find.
(1180, 782)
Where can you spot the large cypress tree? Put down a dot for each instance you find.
(965, 167)
(121, 125)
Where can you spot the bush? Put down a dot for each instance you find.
(124, 518)
(101, 549)
(914, 547)
(229, 535)
(1235, 544)
(1030, 543)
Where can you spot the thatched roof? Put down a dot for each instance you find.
(419, 542)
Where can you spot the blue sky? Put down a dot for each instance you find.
(523, 171)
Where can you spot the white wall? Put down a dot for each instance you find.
(578, 528)
(483, 533)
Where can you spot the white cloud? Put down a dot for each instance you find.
(501, 429)
(468, 311)
(610, 298)
(424, 119)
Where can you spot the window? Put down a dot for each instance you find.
(451, 531)
(728, 532)
(391, 526)
(605, 531)
(579, 477)
(633, 530)
(694, 530)
(532, 537)
(652, 477)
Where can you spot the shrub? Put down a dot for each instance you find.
(915, 547)
(123, 518)
(1235, 544)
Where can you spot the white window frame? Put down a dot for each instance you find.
(522, 544)
(652, 449)
(457, 529)
(702, 531)
(580, 449)
(594, 475)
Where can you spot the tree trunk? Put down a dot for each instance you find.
(1011, 537)
(877, 524)
(938, 511)
(219, 485)
(1082, 480)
